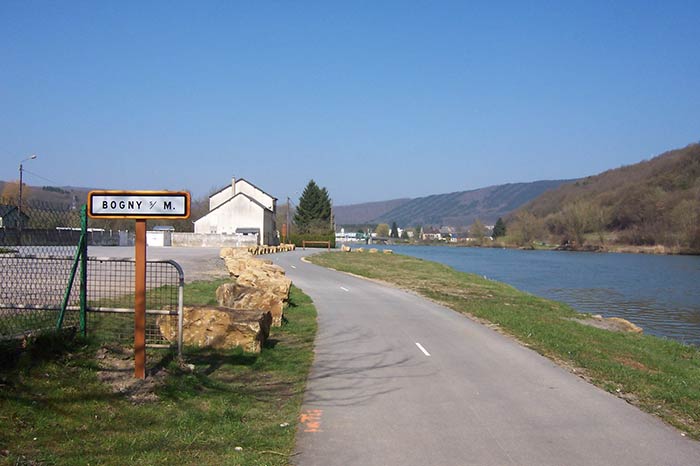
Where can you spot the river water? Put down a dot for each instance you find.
(659, 293)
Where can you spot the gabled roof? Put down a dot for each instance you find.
(243, 179)
(256, 187)
(255, 201)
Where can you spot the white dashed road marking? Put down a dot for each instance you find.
(420, 347)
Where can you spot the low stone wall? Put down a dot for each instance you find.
(194, 240)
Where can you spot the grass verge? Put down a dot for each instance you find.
(54, 409)
(660, 376)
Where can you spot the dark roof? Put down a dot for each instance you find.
(217, 192)
(256, 187)
(243, 179)
(247, 231)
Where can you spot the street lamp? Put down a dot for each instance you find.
(19, 203)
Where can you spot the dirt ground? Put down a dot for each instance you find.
(117, 371)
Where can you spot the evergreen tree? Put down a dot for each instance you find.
(499, 229)
(314, 210)
(394, 230)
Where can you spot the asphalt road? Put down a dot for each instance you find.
(398, 380)
(197, 263)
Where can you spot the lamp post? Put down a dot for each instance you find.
(19, 203)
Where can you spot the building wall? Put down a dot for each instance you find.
(242, 186)
(240, 212)
(270, 230)
(219, 198)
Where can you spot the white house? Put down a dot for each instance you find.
(241, 209)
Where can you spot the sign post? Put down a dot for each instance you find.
(140, 206)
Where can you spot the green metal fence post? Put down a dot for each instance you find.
(80, 257)
(83, 270)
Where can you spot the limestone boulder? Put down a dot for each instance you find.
(276, 283)
(219, 327)
(237, 296)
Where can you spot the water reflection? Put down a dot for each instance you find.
(658, 293)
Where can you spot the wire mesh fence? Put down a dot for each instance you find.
(111, 300)
(42, 248)
(38, 244)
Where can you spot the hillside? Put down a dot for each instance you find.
(455, 209)
(357, 214)
(654, 202)
(51, 194)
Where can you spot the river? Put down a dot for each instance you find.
(659, 293)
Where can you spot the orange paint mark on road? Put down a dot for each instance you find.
(311, 420)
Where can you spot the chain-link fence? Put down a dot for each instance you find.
(48, 282)
(39, 243)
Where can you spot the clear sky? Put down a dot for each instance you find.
(374, 100)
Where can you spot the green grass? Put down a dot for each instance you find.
(660, 376)
(54, 410)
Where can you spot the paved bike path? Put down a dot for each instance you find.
(399, 380)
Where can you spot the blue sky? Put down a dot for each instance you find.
(373, 100)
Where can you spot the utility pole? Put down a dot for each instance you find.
(19, 201)
(288, 211)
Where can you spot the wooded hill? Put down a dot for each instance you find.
(654, 202)
(460, 208)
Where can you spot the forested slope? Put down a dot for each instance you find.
(652, 202)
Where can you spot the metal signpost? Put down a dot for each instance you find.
(140, 206)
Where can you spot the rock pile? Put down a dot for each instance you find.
(257, 250)
(249, 305)
(256, 284)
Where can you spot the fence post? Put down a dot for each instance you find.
(83, 245)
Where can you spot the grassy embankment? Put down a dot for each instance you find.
(658, 375)
(54, 410)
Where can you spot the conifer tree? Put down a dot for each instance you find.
(314, 210)
(499, 229)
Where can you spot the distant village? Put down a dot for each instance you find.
(447, 234)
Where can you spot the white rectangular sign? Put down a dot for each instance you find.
(138, 204)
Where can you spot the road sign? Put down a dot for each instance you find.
(139, 204)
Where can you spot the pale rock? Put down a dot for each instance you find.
(219, 327)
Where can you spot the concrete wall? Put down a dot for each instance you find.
(194, 240)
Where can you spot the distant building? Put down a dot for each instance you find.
(431, 234)
(241, 209)
(9, 215)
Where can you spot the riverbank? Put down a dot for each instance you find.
(658, 375)
(658, 249)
